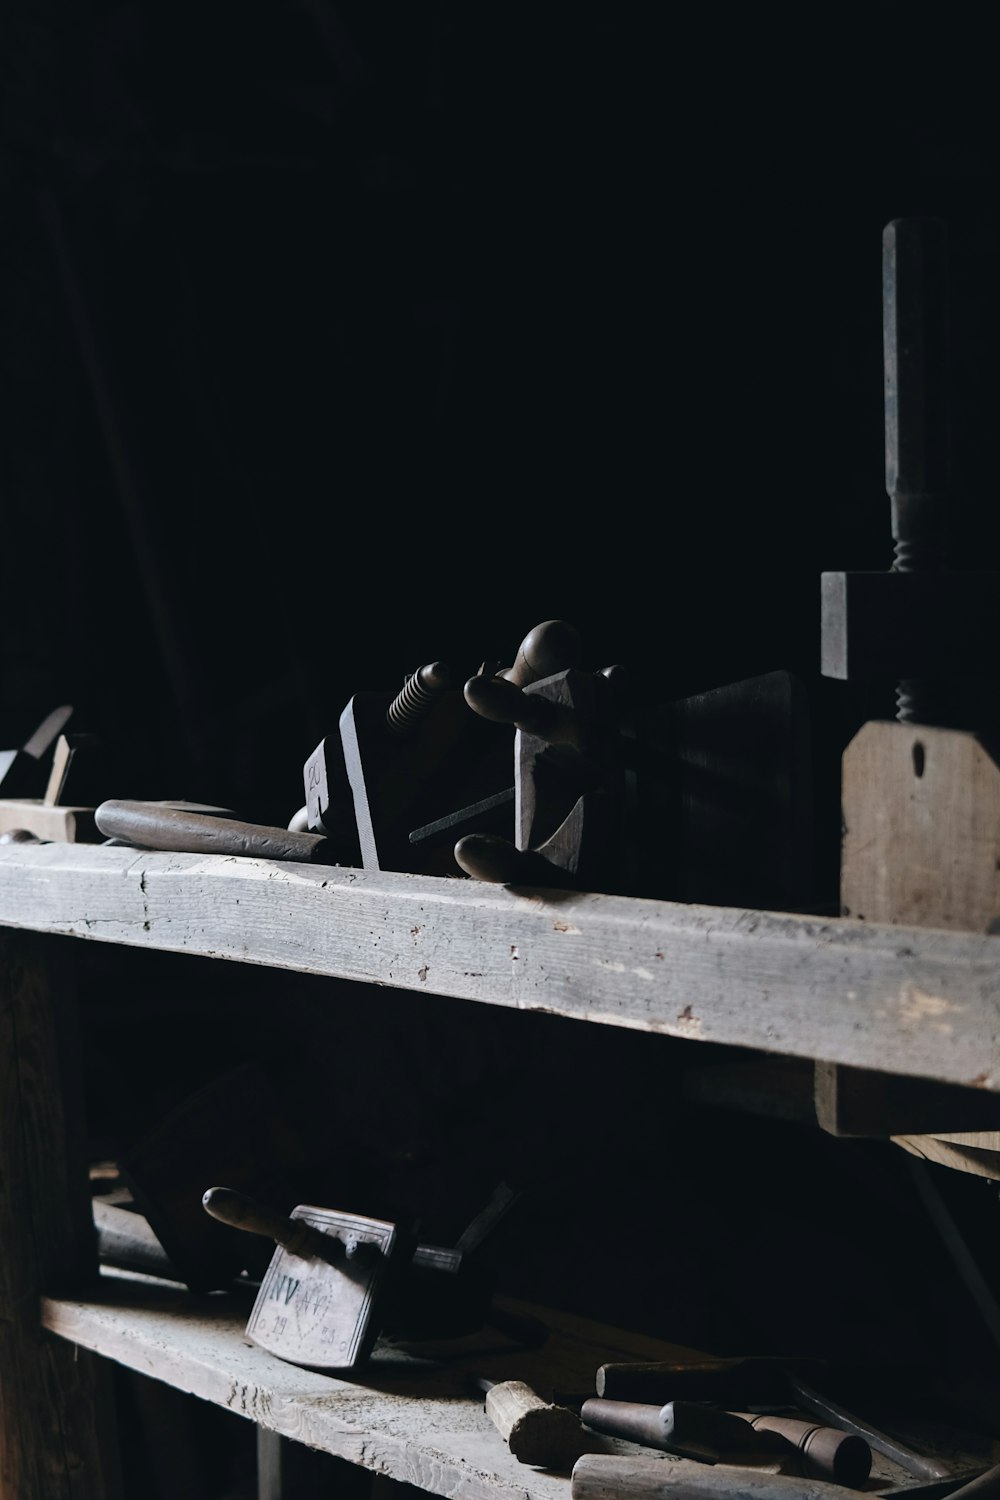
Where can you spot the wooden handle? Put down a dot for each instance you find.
(550, 647)
(503, 702)
(985, 1487)
(728, 1380)
(231, 1207)
(486, 856)
(683, 1427)
(599, 1476)
(125, 1239)
(151, 826)
(827, 1452)
(535, 1431)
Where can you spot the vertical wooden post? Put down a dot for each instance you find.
(54, 1398)
(921, 846)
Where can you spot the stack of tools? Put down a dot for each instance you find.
(790, 1441)
(543, 773)
(336, 1280)
(546, 773)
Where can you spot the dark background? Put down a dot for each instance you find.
(341, 338)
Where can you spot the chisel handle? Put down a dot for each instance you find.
(295, 1235)
(242, 1212)
(600, 1476)
(503, 702)
(677, 1427)
(487, 856)
(536, 1431)
(151, 826)
(827, 1452)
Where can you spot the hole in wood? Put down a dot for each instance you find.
(919, 759)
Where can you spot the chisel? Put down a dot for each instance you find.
(708, 1433)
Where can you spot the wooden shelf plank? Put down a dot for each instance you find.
(909, 1000)
(409, 1418)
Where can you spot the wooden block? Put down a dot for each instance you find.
(56, 1412)
(863, 1102)
(921, 828)
(53, 825)
(963, 1157)
(921, 847)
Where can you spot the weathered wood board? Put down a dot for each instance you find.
(56, 1415)
(404, 1418)
(921, 847)
(906, 999)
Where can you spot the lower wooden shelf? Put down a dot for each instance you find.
(412, 1416)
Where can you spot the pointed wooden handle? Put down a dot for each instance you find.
(152, 826)
(242, 1212)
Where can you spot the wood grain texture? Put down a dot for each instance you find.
(921, 847)
(945, 1153)
(909, 1000)
(53, 1405)
(536, 1431)
(921, 828)
(442, 1441)
(596, 1477)
(61, 825)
